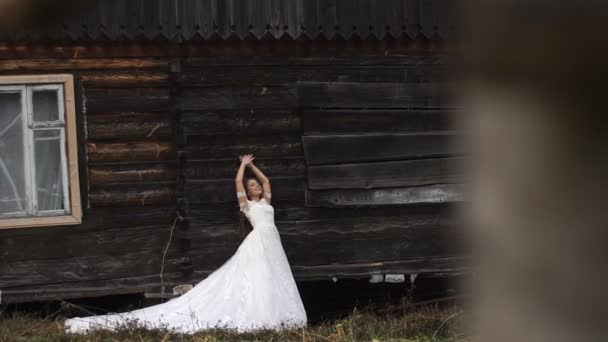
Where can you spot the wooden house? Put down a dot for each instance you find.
(145, 106)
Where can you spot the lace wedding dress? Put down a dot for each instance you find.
(253, 289)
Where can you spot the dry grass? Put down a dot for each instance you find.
(423, 324)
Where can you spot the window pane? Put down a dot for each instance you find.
(49, 182)
(12, 174)
(45, 105)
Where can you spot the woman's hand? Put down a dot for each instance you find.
(246, 159)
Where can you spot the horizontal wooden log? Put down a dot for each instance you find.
(287, 211)
(89, 288)
(334, 227)
(84, 268)
(237, 97)
(373, 95)
(108, 100)
(225, 146)
(86, 243)
(341, 241)
(197, 76)
(385, 174)
(435, 266)
(138, 173)
(429, 266)
(438, 193)
(129, 126)
(105, 152)
(100, 219)
(143, 195)
(80, 64)
(226, 168)
(341, 60)
(208, 191)
(125, 78)
(369, 120)
(251, 122)
(45, 295)
(350, 148)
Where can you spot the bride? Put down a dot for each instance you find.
(253, 289)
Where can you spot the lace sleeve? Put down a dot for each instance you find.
(243, 206)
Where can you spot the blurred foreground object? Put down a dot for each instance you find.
(534, 100)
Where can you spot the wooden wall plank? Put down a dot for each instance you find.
(130, 126)
(131, 173)
(372, 95)
(379, 120)
(226, 168)
(385, 174)
(77, 243)
(99, 219)
(432, 265)
(107, 100)
(343, 240)
(133, 195)
(418, 60)
(106, 152)
(71, 64)
(247, 121)
(237, 97)
(225, 146)
(439, 193)
(202, 215)
(76, 269)
(125, 78)
(223, 190)
(348, 148)
(239, 75)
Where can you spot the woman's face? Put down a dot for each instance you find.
(254, 188)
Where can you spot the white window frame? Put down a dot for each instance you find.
(64, 84)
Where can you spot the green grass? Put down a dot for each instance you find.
(426, 324)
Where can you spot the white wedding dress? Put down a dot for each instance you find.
(253, 289)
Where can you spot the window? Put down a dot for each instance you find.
(38, 156)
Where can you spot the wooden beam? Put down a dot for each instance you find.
(238, 97)
(372, 95)
(205, 75)
(223, 190)
(225, 145)
(77, 243)
(385, 174)
(439, 193)
(120, 195)
(343, 121)
(244, 121)
(140, 99)
(130, 126)
(125, 78)
(85, 268)
(350, 148)
(226, 168)
(132, 173)
(104, 152)
(431, 266)
(68, 64)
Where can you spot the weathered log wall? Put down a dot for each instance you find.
(288, 112)
(161, 135)
(127, 165)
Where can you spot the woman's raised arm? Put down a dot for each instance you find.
(241, 195)
(265, 181)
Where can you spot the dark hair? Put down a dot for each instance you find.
(245, 226)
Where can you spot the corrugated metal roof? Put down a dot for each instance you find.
(184, 20)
